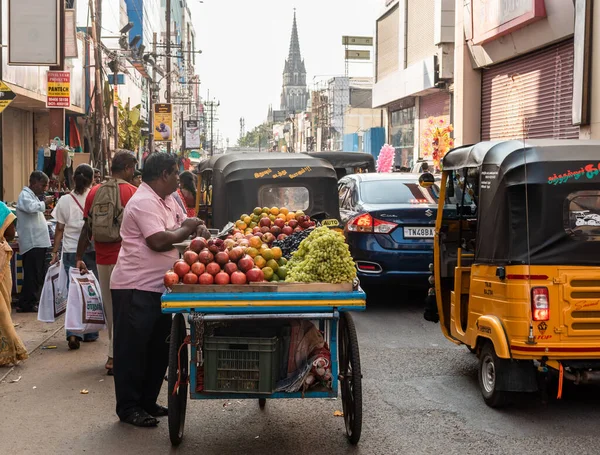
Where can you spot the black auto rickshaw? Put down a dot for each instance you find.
(517, 276)
(346, 163)
(235, 183)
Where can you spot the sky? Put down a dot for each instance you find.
(245, 43)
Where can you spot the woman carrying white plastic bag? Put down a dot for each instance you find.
(85, 312)
(53, 300)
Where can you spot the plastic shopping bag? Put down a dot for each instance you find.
(53, 299)
(85, 312)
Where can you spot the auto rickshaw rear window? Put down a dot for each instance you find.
(292, 197)
(582, 215)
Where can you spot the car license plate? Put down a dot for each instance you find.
(419, 232)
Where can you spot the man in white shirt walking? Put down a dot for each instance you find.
(34, 239)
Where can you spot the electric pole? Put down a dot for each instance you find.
(100, 152)
(169, 63)
(212, 105)
(152, 96)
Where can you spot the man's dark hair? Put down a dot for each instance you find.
(137, 173)
(37, 176)
(122, 160)
(425, 166)
(96, 171)
(188, 181)
(156, 164)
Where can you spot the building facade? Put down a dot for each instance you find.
(414, 70)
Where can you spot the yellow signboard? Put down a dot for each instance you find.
(6, 96)
(330, 223)
(163, 122)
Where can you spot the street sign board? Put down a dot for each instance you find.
(357, 40)
(163, 122)
(59, 89)
(6, 96)
(192, 134)
(358, 55)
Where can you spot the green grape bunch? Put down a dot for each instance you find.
(322, 257)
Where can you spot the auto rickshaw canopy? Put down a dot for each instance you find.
(537, 201)
(244, 180)
(347, 162)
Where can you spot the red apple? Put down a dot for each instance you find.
(244, 243)
(222, 258)
(222, 278)
(255, 275)
(287, 230)
(198, 244)
(181, 268)
(230, 267)
(205, 257)
(206, 278)
(275, 230)
(281, 236)
(292, 223)
(279, 223)
(236, 231)
(265, 222)
(238, 235)
(245, 263)
(236, 254)
(171, 278)
(238, 278)
(255, 229)
(198, 268)
(298, 229)
(268, 238)
(213, 268)
(265, 229)
(190, 278)
(311, 224)
(190, 257)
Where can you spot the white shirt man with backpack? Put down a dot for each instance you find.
(103, 213)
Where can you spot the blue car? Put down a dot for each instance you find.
(389, 225)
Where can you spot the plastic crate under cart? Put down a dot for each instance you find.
(241, 364)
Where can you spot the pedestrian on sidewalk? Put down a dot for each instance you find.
(153, 221)
(11, 347)
(122, 169)
(186, 193)
(68, 214)
(34, 239)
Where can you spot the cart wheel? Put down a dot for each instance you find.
(177, 359)
(262, 402)
(490, 369)
(350, 378)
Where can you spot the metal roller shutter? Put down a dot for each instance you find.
(530, 96)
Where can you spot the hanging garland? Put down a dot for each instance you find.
(385, 161)
(437, 140)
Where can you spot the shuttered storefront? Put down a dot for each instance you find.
(436, 106)
(530, 96)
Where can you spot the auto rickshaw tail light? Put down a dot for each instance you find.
(540, 304)
(367, 224)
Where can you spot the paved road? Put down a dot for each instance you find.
(421, 397)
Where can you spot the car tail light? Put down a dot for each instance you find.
(540, 304)
(367, 224)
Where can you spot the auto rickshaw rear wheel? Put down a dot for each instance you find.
(491, 369)
(350, 377)
(177, 378)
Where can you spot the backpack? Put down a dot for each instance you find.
(106, 213)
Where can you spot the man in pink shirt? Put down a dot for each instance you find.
(152, 222)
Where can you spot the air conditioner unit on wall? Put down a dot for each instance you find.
(444, 62)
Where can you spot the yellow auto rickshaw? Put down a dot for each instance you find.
(516, 274)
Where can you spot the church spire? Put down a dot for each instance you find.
(294, 61)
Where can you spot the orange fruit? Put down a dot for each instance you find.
(268, 273)
(257, 210)
(241, 225)
(274, 211)
(284, 211)
(267, 254)
(243, 216)
(263, 247)
(277, 253)
(265, 209)
(247, 219)
(299, 213)
(252, 252)
(248, 231)
(255, 242)
(259, 261)
(281, 216)
(272, 264)
(290, 216)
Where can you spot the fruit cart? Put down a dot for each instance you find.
(248, 362)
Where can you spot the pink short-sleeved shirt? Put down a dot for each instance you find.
(139, 267)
